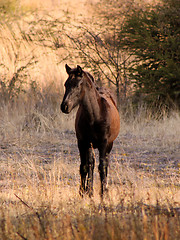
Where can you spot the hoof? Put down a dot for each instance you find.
(86, 192)
(89, 192)
(81, 194)
(104, 193)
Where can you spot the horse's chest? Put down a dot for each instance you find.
(90, 130)
(92, 133)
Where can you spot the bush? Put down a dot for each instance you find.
(153, 36)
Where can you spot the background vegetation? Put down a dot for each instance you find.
(152, 36)
(131, 47)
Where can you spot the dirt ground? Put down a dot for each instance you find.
(142, 154)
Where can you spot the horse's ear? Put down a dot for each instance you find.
(68, 69)
(79, 70)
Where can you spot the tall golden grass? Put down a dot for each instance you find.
(39, 170)
(40, 182)
(39, 178)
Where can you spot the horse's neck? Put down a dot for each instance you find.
(91, 104)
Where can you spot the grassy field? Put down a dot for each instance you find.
(39, 159)
(39, 179)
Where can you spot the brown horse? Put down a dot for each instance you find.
(97, 124)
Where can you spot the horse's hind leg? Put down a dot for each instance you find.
(103, 165)
(91, 161)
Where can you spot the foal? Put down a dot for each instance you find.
(97, 124)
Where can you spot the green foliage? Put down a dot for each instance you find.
(13, 87)
(153, 37)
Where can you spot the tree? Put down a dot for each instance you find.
(97, 44)
(104, 57)
(153, 37)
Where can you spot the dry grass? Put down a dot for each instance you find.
(39, 179)
(39, 170)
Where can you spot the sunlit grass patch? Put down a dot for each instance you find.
(41, 200)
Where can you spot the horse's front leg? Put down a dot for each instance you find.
(103, 168)
(83, 167)
(91, 161)
(103, 165)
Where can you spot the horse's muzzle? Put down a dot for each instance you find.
(65, 108)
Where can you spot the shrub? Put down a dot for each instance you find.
(153, 36)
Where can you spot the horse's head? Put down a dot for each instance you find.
(73, 88)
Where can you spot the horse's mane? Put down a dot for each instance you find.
(90, 76)
(103, 91)
(107, 93)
